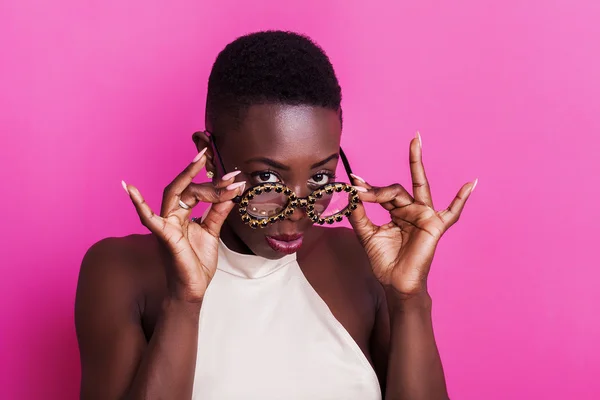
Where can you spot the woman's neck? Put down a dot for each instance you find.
(233, 241)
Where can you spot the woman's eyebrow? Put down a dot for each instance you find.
(325, 161)
(284, 167)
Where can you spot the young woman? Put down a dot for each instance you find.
(256, 300)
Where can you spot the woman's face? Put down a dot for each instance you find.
(295, 145)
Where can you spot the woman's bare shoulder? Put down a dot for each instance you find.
(130, 263)
(344, 253)
(131, 252)
(344, 244)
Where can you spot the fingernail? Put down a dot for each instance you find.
(199, 155)
(358, 178)
(125, 186)
(474, 184)
(230, 175)
(360, 189)
(418, 136)
(236, 185)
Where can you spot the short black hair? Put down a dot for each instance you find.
(269, 67)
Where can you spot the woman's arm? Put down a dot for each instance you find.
(400, 253)
(414, 366)
(117, 362)
(168, 366)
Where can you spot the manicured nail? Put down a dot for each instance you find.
(358, 178)
(360, 189)
(418, 136)
(230, 175)
(236, 185)
(125, 186)
(199, 155)
(474, 184)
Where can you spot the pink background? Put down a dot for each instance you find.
(98, 91)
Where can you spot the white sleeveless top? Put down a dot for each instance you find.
(266, 334)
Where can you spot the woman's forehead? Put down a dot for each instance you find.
(280, 127)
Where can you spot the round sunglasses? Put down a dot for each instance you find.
(268, 203)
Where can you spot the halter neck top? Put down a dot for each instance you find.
(265, 334)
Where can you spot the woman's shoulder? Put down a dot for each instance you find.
(344, 246)
(128, 252)
(341, 251)
(336, 265)
(129, 264)
(120, 283)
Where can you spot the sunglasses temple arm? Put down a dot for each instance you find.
(214, 143)
(346, 164)
(236, 199)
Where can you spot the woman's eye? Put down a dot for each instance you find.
(319, 179)
(267, 177)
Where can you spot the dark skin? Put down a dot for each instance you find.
(139, 297)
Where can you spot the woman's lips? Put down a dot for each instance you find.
(286, 244)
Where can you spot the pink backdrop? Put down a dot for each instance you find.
(98, 91)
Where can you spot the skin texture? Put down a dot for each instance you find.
(139, 297)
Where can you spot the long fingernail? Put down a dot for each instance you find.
(358, 178)
(230, 175)
(360, 189)
(474, 184)
(125, 187)
(418, 136)
(236, 185)
(199, 155)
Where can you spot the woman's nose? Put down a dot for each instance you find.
(297, 215)
(299, 212)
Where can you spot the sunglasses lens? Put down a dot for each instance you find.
(267, 204)
(332, 200)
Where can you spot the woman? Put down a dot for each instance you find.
(262, 302)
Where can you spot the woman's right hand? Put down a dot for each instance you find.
(192, 246)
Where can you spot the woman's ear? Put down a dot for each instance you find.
(202, 140)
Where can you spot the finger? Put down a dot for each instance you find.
(213, 222)
(421, 188)
(451, 215)
(172, 192)
(390, 197)
(148, 218)
(227, 179)
(386, 195)
(207, 193)
(361, 223)
(358, 181)
(203, 192)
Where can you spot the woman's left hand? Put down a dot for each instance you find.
(401, 251)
